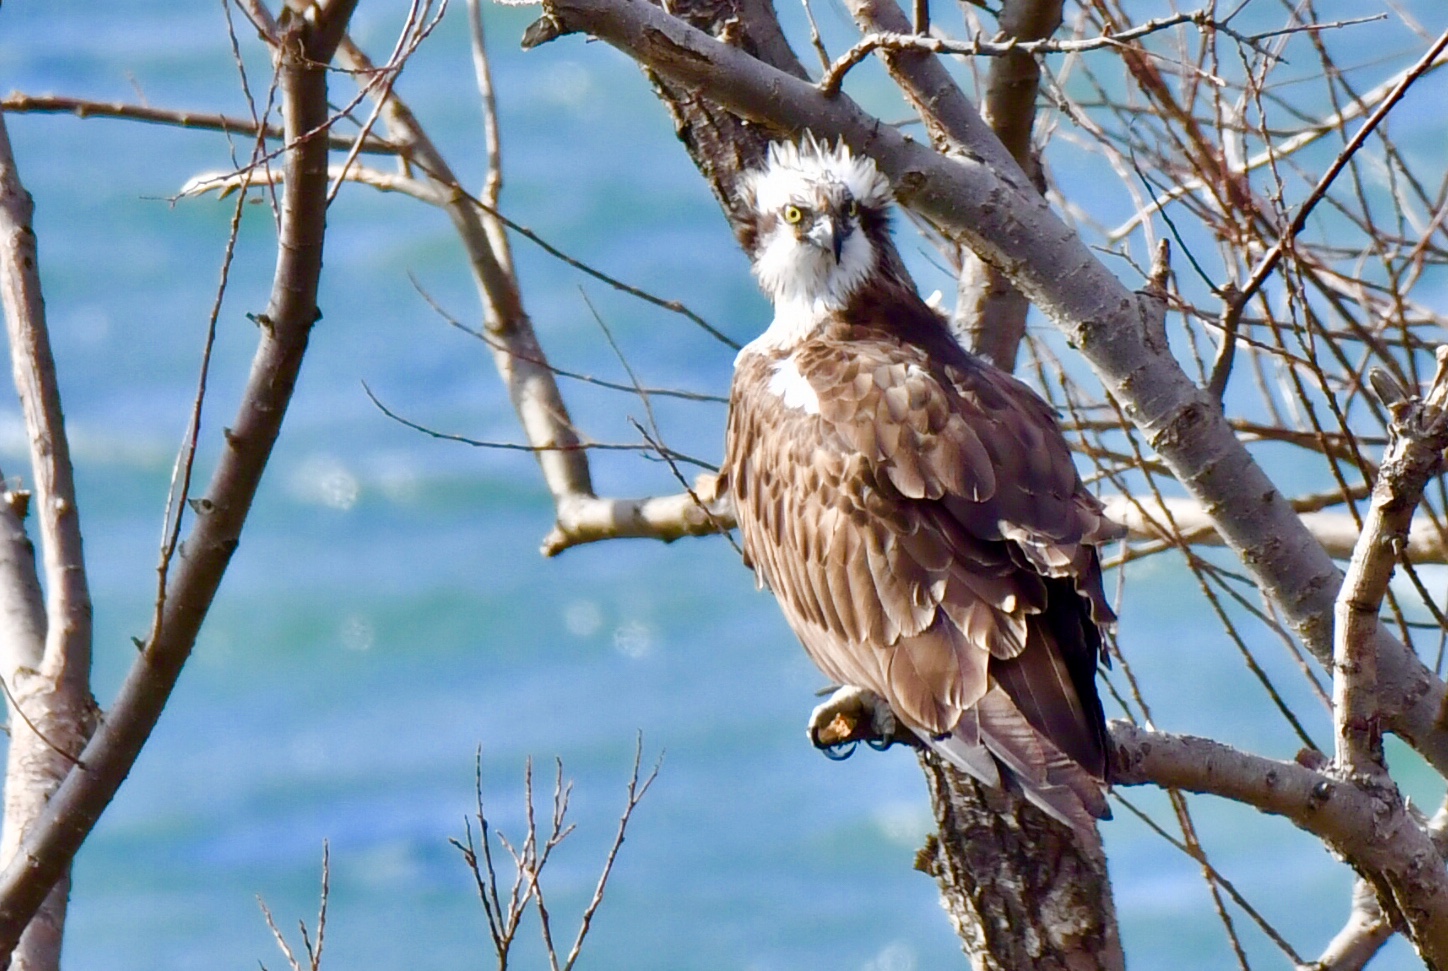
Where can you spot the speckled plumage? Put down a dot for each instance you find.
(917, 513)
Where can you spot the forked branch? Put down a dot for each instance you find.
(505, 912)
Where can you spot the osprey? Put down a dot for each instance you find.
(915, 511)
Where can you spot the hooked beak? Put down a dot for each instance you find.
(829, 235)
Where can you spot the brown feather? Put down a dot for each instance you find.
(928, 538)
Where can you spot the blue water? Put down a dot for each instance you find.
(387, 612)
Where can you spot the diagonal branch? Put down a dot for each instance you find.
(21, 103)
(581, 515)
(516, 351)
(68, 606)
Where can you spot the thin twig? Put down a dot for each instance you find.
(1273, 256)
(179, 492)
(278, 936)
(580, 446)
(636, 793)
(560, 372)
(483, 72)
(20, 103)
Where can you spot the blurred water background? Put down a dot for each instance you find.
(387, 612)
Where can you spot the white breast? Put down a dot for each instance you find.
(793, 388)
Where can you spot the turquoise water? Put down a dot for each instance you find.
(387, 612)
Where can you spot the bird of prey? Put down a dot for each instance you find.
(915, 511)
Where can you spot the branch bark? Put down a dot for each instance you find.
(1366, 931)
(308, 42)
(1021, 890)
(1366, 825)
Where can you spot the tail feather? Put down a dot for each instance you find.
(1047, 777)
(967, 754)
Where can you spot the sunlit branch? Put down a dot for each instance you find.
(224, 184)
(47, 663)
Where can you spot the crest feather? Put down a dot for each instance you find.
(788, 165)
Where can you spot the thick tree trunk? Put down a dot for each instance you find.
(1020, 889)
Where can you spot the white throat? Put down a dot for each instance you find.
(806, 285)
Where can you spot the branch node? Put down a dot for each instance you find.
(19, 502)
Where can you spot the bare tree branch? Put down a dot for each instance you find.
(311, 37)
(225, 183)
(988, 309)
(1334, 122)
(531, 856)
(19, 103)
(516, 351)
(22, 604)
(1148, 518)
(1371, 829)
(588, 519)
(47, 681)
(68, 607)
(638, 787)
(314, 950)
(1419, 436)
(1273, 256)
(1364, 934)
(482, 70)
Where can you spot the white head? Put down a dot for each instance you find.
(815, 213)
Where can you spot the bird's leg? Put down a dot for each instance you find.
(852, 715)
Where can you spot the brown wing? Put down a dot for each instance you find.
(928, 538)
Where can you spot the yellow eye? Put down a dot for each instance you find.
(853, 209)
(792, 215)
